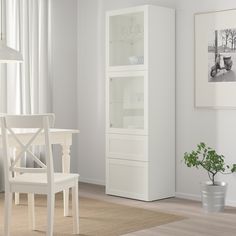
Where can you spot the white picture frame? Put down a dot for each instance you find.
(217, 91)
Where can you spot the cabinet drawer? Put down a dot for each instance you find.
(127, 178)
(129, 147)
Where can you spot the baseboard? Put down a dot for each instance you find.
(188, 196)
(91, 181)
(230, 203)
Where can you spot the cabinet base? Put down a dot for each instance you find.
(135, 196)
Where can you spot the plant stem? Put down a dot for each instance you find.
(210, 176)
(213, 179)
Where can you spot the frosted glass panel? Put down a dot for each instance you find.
(126, 39)
(127, 102)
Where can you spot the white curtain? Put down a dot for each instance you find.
(26, 88)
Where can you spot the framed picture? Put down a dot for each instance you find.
(215, 59)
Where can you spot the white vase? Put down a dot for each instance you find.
(213, 196)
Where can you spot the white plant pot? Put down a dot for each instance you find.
(213, 196)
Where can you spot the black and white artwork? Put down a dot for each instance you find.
(222, 55)
(215, 59)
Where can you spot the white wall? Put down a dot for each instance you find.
(64, 68)
(91, 83)
(90, 94)
(215, 127)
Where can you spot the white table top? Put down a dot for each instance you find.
(52, 130)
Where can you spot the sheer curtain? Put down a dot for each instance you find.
(26, 88)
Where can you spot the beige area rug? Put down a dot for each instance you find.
(98, 218)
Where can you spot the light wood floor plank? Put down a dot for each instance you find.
(198, 223)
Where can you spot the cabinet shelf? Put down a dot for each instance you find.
(127, 41)
(137, 67)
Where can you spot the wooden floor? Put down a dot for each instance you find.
(197, 223)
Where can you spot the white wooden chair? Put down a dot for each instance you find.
(41, 180)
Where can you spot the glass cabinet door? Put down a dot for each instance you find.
(126, 102)
(126, 39)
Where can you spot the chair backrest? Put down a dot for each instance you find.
(39, 128)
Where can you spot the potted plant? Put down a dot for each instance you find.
(213, 192)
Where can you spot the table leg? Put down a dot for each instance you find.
(66, 169)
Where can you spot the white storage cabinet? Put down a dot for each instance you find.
(140, 102)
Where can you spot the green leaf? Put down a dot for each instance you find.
(233, 168)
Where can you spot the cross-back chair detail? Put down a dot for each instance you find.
(24, 148)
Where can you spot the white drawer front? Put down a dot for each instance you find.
(127, 179)
(127, 147)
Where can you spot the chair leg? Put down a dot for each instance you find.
(7, 217)
(66, 202)
(31, 211)
(50, 207)
(17, 199)
(75, 208)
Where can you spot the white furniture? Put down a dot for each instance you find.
(140, 102)
(62, 137)
(40, 180)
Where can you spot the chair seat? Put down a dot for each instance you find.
(40, 180)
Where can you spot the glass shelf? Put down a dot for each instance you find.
(126, 104)
(126, 39)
